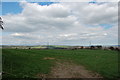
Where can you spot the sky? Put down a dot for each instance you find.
(63, 23)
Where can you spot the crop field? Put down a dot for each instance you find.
(28, 63)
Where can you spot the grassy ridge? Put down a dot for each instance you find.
(29, 63)
(24, 63)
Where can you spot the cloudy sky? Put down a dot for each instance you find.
(63, 23)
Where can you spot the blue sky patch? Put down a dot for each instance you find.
(106, 26)
(15, 8)
(46, 3)
(11, 8)
(93, 2)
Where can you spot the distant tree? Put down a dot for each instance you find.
(99, 47)
(82, 47)
(117, 49)
(111, 48)
(92, 47)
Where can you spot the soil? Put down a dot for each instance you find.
(48, 58)
(70, 70)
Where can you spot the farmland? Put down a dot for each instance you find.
(27, 63)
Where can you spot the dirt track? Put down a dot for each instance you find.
(65, 69)
(70, 70)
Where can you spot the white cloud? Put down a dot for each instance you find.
(62, 23)
(17, 34)
(95, 14)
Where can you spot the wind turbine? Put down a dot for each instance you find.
(1, 23)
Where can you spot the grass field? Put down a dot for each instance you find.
(19, 63)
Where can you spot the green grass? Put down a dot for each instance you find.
(28, 63)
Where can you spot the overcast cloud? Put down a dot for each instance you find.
(62, 24)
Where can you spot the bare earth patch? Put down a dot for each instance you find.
(70, 70)
(48, 58)
(41, 75)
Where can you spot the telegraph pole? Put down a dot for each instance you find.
(47, 44)
(90, 43)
